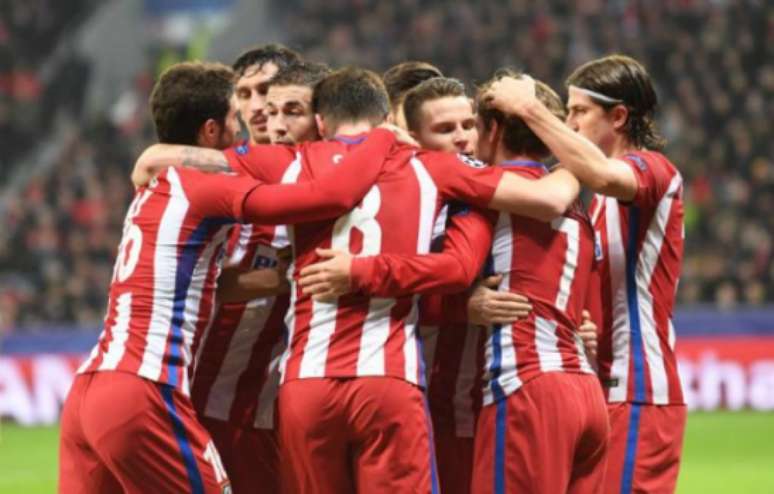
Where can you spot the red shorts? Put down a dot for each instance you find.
(550, 436)
(365, 434)
(123, 433)
(250, 455)
(455, 460)
(646, 442)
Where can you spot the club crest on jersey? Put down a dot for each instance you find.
(638, 161)
(242, 150)
(597, 246)
(337, 158)
(470, 161)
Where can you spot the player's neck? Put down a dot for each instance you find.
(621, 147)
(351, 129)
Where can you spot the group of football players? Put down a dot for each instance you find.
(389, 288)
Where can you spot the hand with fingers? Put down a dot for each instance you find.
(401, 134)
(488, 306)
(329, 278)
(512, 95)
(588, 333)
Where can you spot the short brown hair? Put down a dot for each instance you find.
(625, 80)
(518, 138)
(188, 94)
(276, 53)
(429, 90)
(399, 79)
(351, 94)
(306, 74)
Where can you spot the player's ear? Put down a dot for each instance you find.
(208, 133)
(320, 121)
(618, 116)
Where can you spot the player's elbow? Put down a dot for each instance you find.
(143, 167)
(551, 207)
(461, 276)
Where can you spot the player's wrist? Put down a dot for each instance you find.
(360, 271)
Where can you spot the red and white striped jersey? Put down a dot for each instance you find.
(360, 335)
(163, 282)
(236, 369)
(452, 349)
(550, 263)
(639, 249)
(453, 357)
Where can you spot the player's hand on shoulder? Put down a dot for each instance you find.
(328, 279)
(487, 306)
(401, 134)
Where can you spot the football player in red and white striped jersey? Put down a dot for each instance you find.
(128, 422)
(535, 369)
(371, 340)
(638, 223)
(236, 369)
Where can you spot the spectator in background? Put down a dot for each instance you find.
(712, 62)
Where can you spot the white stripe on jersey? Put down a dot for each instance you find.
(119, 332)
(619, 370)
(648, 259)
(410, 343)
(290, 323)
(547, 345)
(224, 388)
(281, 232)
(289, 177)
(464, 419)
(264, 415)
(321, 329)
(585, 366)
(193, 297)
(376, 329)
(571, 229)
(502, 250)
(240, 249)
(164, 269)
(428, 197)
(93, 355)
(439, 228)
(428, 201)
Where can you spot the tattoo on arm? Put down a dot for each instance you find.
(204, 160)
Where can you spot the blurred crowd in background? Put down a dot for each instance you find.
(713, 63)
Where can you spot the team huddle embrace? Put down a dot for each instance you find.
(389, 288)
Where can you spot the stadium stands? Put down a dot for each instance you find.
(712, 62)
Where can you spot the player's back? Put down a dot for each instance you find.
(163, 281)
(358, 335)
(550, 263)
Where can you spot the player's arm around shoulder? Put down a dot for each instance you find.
(578, 155)
(160, 156)
(543, 199)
